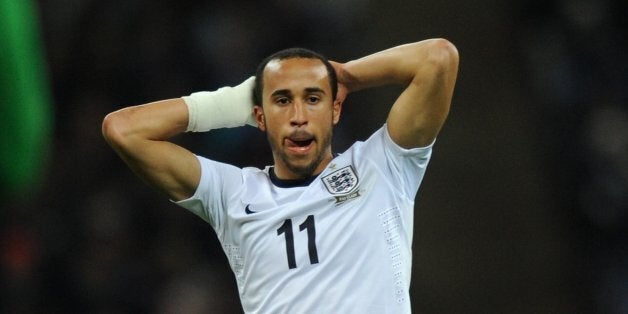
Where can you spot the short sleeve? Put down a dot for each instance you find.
(219, 182)
(405, 168)
(409, 164)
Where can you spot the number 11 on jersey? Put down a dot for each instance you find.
(286, 229)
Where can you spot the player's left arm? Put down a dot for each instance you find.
(427, 68)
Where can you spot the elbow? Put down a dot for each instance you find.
(113, 129)
(443, 55)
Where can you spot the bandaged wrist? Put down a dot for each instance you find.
(226, 107)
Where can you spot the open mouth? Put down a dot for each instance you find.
(299, 142)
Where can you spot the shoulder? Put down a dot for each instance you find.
(256, 172)
(380, 141)
(209, 166)
(221, 177)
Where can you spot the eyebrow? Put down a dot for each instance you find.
(314, 90)
(281, 92)
(287, 92)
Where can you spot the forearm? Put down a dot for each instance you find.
(397, 65)
(154, 121)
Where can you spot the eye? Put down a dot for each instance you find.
(313, 99)
(283, 100)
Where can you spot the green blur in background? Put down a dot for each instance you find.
(25, 109)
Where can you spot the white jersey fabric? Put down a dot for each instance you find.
(337, 243)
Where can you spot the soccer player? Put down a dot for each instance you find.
(315, 232)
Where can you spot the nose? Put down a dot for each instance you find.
(298, 114)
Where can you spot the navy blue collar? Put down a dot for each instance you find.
(288, 183)
(291, 183)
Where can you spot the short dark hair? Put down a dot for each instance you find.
(291, 53)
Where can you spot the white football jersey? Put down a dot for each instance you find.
(339, 242)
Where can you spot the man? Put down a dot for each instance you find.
(314, 233)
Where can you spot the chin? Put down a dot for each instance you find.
(302, 170)
(303, 167)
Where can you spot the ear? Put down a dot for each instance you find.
(258, 112)
(336, 110)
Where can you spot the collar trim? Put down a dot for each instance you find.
(289, 183)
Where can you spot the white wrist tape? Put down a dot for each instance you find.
(226, 107)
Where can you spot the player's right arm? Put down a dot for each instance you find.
(140, 134)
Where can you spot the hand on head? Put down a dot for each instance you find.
(343, 90)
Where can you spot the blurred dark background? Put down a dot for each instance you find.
(524, 208)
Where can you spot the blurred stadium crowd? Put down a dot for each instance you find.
(89, 237)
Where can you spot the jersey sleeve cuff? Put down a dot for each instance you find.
(390, 144)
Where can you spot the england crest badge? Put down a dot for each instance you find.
(342, 183)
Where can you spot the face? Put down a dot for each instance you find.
(298, 115)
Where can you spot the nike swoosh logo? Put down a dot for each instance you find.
(248, 211)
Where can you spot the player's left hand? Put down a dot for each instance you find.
(343, 90)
